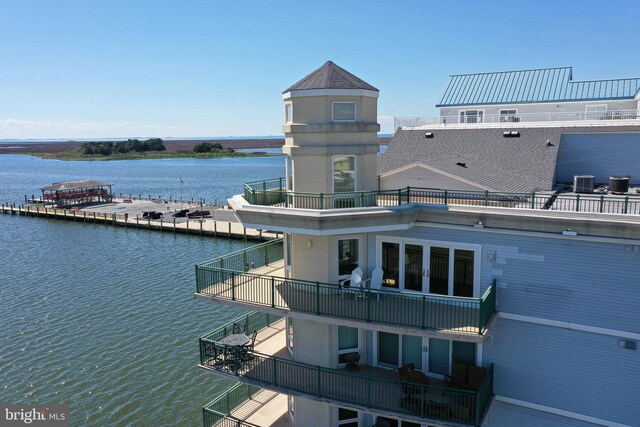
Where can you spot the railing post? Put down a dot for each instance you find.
(321, 201)
(280, 183)
(318, 298)
(253, 196)
(408, 194)
(273, 293)
(275, 372)
(486, 197)
(399, 197)
(424, 312)
(601, 204)
(577, 203)
(626, 204)
(533, 200)
(233, 286)
(446, 197)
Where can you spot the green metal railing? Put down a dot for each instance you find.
(407, 309)
(272, 193)
(246, 259)
(252, 321)
(217, 412)
(465, 405)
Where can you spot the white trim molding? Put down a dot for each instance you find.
(330, 92)
(560, 412)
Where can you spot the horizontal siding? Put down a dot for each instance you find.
(599, 154)
(570, 370)
(571, 281)
(508, 415)
(419, 176)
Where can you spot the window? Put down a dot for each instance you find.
(287, 113)
(344, 177)
(596, 112)
(343, 111)
(289, 172)
(384, 421)
(348, 342)
(289, 325)
(471, 116)
(391, 264)
(509, 116)
(347, 417)
(292, 408)
(348, 257)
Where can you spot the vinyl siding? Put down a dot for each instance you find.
(508, 415)
(570, 281)
(602, 155)
(575, 371)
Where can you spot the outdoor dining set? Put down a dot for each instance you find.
(230, 351)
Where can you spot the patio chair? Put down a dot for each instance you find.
(458, 377)
(355, 280)
(375, 281)
(237, 329)
(212, 353)
(249, 346)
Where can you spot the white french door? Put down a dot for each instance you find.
(443, 268)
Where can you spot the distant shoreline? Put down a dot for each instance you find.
(66, 150)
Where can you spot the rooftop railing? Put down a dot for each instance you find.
(275, 196)
(217, 412)
(464, 406)
(398, 308)
(411, 122)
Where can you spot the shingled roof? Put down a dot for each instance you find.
(490, 161)
(330, 76)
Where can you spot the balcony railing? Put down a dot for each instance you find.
(591, 203)
(217, 412)
(252, 321)
(406, 309)
(248, 258)
(383, 394)
(411, 122)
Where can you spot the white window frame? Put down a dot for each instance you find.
(355, 112)
(288, 112)
(452, 246)
(289, 323)
(361, 257)
(333, 171)
(291, 408)
(425, 354)
(592, 111)
(507, 116)
(347, 350)
(479, 114)
(357, 419)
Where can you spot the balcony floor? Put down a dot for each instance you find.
(461, 322)
(267, 408)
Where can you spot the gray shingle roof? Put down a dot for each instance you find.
(492, 161)
(330, 76)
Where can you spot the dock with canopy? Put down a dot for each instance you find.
(71, 193)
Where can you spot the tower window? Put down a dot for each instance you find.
(344, 111)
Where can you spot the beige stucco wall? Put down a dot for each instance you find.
(312, 342)
(312, 263)
(309, 413)
(317, 109)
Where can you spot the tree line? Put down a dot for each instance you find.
(210, 147)
(108, 148)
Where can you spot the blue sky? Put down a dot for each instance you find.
(89, 68)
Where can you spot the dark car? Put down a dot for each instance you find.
(198, 214)
(181, 213)
(151, 215)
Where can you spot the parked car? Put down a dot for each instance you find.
(151, 215)
(198, 214)
(181, 213)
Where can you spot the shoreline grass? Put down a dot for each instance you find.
(144, 156)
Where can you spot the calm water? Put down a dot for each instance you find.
(103, 318)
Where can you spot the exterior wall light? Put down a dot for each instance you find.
(569, 232)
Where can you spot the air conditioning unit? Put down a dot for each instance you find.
(583, 183)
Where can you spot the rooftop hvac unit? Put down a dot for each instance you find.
(583, 183)
(618, 184)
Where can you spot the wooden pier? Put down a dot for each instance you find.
(204, 227)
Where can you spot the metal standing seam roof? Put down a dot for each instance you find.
(532, 86)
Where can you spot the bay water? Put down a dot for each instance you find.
(103, 318)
